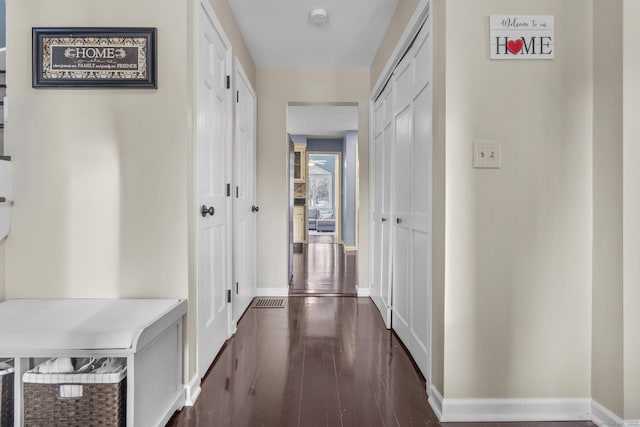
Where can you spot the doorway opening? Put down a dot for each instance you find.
(323, 198)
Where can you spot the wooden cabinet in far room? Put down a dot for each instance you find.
(298, 224)
(299, 163)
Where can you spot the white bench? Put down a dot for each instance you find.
(147, 332)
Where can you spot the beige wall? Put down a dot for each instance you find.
(631, 209)
(276, 87)
(607, 361)
(518, 239)
(439, 185)
(99, 175)
(402, 15)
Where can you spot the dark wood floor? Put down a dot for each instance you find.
(323, 267)
(320, 361)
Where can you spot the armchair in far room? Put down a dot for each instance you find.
(314, 214)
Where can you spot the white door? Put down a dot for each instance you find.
(376, 202)
(402, 190)
(244, 208)
(213, 203)
(412, 107)
(383, 160)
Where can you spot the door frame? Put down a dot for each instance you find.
(418, 19)
(203, 6)
(240, 74)
(338, 202)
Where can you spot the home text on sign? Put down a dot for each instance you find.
(521, 37)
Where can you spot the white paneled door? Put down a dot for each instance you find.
(383, 161)
(412, 183)
(245, 206)
(213, 159)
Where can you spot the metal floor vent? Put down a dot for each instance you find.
(270, 303)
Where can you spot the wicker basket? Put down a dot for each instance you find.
(6, 397)
(78, 400)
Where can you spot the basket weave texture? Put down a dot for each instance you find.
(100, 405)
(6, 399)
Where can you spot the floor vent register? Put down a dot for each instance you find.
(270, 303)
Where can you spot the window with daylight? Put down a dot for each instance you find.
(320, 191)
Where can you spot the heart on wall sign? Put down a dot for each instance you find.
(515, 46)
(521, 37)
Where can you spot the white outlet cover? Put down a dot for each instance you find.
(487, 154)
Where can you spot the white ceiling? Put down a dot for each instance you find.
(321, 120)
(279, 33)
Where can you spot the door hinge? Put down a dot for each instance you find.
(237, 96)
(237, 192)
(237, 288)
(228, 295)
(228, 190)
(228, 82)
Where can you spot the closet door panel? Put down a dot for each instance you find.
(422, 155)
(403, 161)
(402, 284)
(386, 222)
(420, 313)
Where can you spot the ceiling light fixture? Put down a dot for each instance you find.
(318, 16)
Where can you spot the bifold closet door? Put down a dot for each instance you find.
(412, 183)
(376, 239)
(383, 159)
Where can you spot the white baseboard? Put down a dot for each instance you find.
(363, 292)
(435, 400)
(177, 403)
(603, 417)
(272, 292)
(192, 391)
(514, 410)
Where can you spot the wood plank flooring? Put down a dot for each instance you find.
(323, 267)
(320, 361)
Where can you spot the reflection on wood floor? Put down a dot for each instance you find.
(321, 361)
(323, 267)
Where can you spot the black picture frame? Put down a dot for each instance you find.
(94, 57)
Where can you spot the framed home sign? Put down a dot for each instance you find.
(94, 57)
(522, 37)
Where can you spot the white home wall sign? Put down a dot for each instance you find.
(521, 37)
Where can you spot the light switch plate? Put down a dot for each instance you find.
(487, 154)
